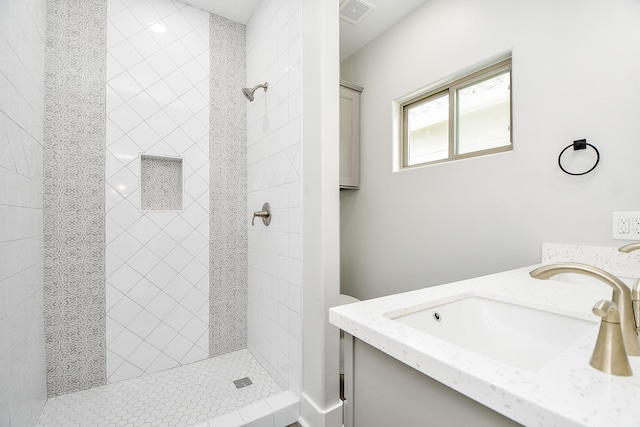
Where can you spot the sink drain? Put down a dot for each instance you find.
(436, 316)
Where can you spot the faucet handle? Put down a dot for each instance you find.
(607, 310)
(609, 354)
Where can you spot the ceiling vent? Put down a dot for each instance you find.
(354, 11)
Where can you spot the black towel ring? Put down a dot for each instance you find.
(579, 144)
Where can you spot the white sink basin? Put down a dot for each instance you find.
(522, 337)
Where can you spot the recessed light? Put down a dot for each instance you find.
(158, 28)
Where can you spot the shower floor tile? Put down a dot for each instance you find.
(181, 396)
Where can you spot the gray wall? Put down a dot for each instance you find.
(74, 195)
(22, 349)
(574, 69)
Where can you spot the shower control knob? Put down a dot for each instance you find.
(265, 214)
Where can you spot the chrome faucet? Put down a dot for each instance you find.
(621, 296)
(635, 293)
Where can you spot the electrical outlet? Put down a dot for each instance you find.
(623, 225)
(626, 225)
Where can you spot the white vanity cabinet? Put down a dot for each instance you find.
(349, 135)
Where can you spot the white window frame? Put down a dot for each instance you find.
(451, 89)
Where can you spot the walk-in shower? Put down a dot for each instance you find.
(248, 93)
(146, 302)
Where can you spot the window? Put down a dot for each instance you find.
(468, 117)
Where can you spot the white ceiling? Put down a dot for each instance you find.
(352, 37)
(236, 10)
(386, 13)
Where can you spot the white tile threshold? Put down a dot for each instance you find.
(201, 394)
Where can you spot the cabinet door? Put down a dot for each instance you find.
(349, 138)
(382, 391)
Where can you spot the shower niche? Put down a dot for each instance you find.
(161, 183)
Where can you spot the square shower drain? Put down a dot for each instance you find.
(242, 382)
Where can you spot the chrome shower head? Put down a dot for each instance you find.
(248, 93)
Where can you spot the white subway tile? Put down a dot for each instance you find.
(125, 54)
(295, 220)
(161, 336)
(144, 42)
(143, 261)
(295, 302)
(144, 356)
(125, 22)
(193, 355)
(124, 278)
(178, 348)
(113, 363)
(142, 294)
(162, 363)
(179, 25)
(125, 343)
(124, 372)
(295, 351)
(113, 328)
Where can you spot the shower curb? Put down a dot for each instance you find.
(280, 410)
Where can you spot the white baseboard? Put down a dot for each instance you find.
(312, 416)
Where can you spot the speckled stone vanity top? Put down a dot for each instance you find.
(567, 391)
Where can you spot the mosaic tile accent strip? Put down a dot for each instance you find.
(73, 203)
(23, 389)
(160, 183)
(157, 262)
(228, 221)
(177, 397)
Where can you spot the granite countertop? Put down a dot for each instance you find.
(567, 391)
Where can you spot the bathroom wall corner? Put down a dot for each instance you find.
(321, 404)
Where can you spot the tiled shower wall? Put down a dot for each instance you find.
(73, 200)
(274, 176)
(22, 350)
(157, 261)
(228, 222)
(158, 103)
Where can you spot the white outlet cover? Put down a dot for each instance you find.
(626, 226)
(623, 225)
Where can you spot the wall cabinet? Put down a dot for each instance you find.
(349, 135)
